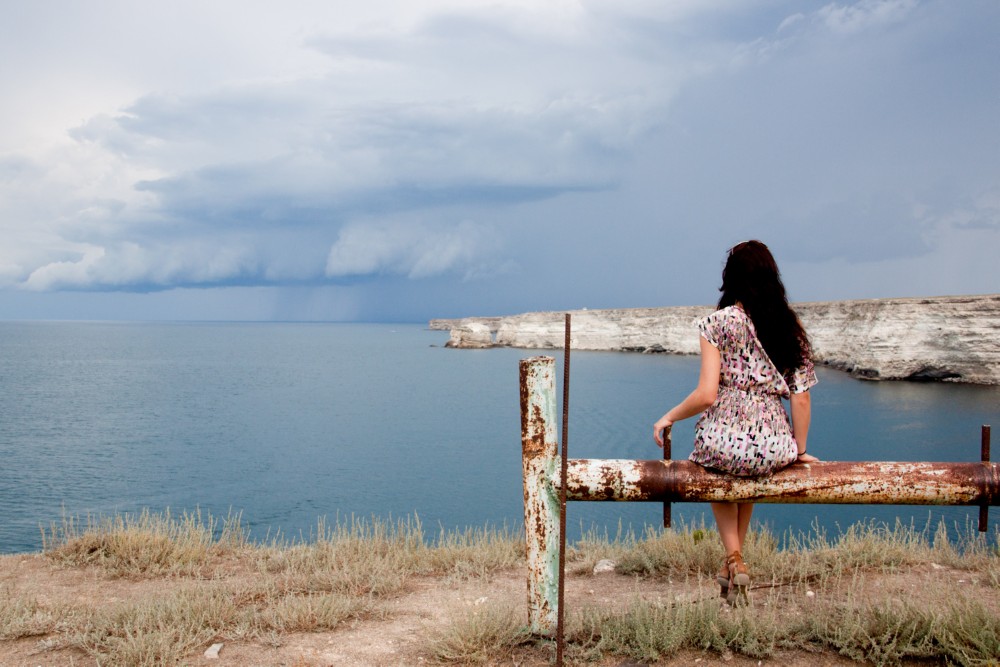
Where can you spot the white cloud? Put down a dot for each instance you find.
(129, 265)
(864, 15)
(982, 213)
(413, 250)
(791, 20)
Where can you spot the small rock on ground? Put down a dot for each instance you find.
(604, 566)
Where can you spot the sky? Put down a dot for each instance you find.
(401, 160)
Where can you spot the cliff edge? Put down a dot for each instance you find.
(954, 338)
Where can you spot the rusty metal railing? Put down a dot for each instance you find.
(884, 482)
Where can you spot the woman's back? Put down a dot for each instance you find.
(745, 364)
(746, 432)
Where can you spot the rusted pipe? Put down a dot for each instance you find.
(540, 461)
(835, 482)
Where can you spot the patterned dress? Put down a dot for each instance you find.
(746, 432)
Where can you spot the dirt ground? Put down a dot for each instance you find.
(398, 637)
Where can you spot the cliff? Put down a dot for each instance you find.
(939, 338)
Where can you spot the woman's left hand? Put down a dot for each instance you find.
(658, 427)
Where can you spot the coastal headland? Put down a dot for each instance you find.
(945, 338)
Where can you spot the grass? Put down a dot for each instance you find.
(486, 635)
(883, 633)
(230, 589)
(23, 616)
(847, 612)
(133, 545)
(156, 631)
(207, 582)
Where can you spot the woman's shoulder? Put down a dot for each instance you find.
(732, 312)
(725, 316)
(727, 313)
(722, 323)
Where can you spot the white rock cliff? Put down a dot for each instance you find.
(954, 339)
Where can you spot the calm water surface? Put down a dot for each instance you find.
(288, 423)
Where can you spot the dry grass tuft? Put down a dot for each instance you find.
(155, 631)
(472, 553)
(652, 631)
(309, 613)
(22, 616)
(130, 545)
(485, 635)
(888, 631)
(376, 557)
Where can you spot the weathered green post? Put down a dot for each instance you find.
(540, 459)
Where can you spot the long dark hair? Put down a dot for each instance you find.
(751, 278)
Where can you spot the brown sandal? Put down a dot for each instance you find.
(739, 578)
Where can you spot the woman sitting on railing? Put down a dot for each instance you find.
(754, 352)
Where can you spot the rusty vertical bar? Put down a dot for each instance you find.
(984, 509)
(539, 458)
(667, 453)
(560, 610)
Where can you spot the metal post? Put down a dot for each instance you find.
(560, 615)
(984, 509)
(540, 460)
(667, 444)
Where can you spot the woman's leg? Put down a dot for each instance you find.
(743, 522)
(733, 519)
(727, 516)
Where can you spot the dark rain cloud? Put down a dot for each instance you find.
(610, 156)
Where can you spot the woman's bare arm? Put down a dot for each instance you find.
(801, 416)
(701, 398)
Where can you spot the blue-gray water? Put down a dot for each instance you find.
(287, 423)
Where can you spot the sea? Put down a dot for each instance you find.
(291, 424)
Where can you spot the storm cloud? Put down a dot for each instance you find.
(432, 160)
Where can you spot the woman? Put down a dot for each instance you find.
(754, 352)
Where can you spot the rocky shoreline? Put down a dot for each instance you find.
(950, 338)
